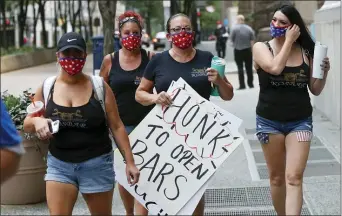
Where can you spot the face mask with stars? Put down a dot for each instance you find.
(72, 65)
(183, 39)
(131, 42)
(277, 31)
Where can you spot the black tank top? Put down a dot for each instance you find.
(124, 85)
(83, 132)
(284, 97)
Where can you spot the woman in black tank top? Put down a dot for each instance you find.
(123, 70)
(80, 157)
(284, 122)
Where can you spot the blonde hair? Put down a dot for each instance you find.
(240, 18)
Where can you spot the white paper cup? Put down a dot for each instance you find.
(35, 110)
(319, 54)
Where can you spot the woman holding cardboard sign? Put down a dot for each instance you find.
(80, 155)
(123, 70)
(182, 60)
(284, 112)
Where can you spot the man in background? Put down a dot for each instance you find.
(242, 37)
(221, 35)
(10, 146)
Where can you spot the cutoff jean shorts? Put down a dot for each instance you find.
(303, 129)
(95, 175)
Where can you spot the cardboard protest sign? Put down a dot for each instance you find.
(177, 149)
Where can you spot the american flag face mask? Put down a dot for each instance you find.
(277, 31)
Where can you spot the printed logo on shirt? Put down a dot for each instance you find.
(196, 72)
(299, 80)
(137, 80)
(70, 119)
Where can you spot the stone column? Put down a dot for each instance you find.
(327, 22)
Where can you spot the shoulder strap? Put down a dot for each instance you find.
(269, 47)
(47, 85)
(100, 94)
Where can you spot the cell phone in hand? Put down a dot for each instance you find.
(54, 127)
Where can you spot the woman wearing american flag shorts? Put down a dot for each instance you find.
(284, 112)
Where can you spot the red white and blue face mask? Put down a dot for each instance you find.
(277, 31)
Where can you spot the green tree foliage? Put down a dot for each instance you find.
(152, 13)
(208, 20)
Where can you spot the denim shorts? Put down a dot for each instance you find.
(302, 128)
(92, 176)
(129, 128)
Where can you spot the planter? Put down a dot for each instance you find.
(27, 186)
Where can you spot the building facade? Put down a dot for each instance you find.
(50, 21)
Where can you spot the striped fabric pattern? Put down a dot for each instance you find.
(304, 136)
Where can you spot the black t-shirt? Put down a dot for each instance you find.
(124, 85)
(163, 69)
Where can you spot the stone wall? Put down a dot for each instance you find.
(15, 62)
(327, 23)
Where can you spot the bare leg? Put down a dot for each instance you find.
(274, 152)
(127, 199)
(61, 197)
(297, 154)
(200, 207)
(100, 203)
(140, 209)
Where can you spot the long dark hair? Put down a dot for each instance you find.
(305, 39)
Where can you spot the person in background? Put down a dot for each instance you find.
(11, 148)
(123, 70)
(80, 157)
(242, 37)
(182, 60)
(117, 44)
(221, 39)
(284, 111)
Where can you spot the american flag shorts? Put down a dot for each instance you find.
(304, 136)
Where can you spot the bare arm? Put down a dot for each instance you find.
(144, 94)
(105, 67)
(275, 65)
(264, 59)
(316, 86)
(116, 126)
(31, 122)
(225, 89)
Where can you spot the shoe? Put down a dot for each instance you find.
(241, 88)
(251, 86)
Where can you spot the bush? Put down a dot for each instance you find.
(16, 107)
(21, 50)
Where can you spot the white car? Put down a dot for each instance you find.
(159, 40)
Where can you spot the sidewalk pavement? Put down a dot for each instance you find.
(241, 185)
